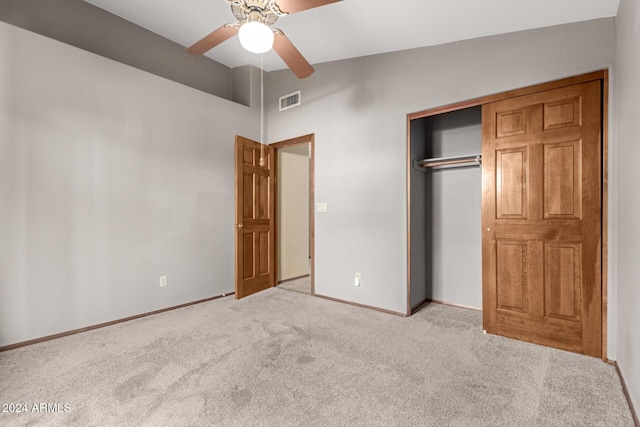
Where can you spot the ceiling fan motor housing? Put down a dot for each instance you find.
(254, 10)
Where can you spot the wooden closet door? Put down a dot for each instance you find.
(541, 216)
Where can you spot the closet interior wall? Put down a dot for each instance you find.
(445, 211)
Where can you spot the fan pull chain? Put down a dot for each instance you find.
(262, 159)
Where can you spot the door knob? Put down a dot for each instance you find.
(238, 225)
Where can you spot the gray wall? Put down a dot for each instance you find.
(357, 109)
(628, 199)
(88, 27)
(109, 178)
(449, 244)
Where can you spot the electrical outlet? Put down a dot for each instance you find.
(357, 279)
(163, 281)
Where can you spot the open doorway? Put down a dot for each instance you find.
(294, 214)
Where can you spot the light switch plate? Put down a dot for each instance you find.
(321, 207)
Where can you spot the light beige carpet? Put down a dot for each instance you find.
(283, 358)
(299, 285)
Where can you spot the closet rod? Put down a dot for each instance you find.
(450, 162)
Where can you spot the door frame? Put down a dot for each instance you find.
(304, 139)
(603, 77)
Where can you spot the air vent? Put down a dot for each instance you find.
(290, 101)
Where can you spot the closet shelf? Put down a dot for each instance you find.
(449, 162)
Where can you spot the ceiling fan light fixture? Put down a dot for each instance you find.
(256, 37)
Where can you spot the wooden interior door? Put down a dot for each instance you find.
(541, 217)
(255, 217)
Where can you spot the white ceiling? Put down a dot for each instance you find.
(353, 28)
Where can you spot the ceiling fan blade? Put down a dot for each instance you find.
(291, 56)
(293, 6)
(212, 40)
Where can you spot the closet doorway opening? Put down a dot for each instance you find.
(446, 209)
(544, 215)
(294, 214)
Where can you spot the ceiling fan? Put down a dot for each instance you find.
(255, 17)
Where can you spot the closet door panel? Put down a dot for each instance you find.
(511, 123)
(511, 183)
(562, 281)
(561, 114)
(542, 218)
(512, 278)
(562, 184)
